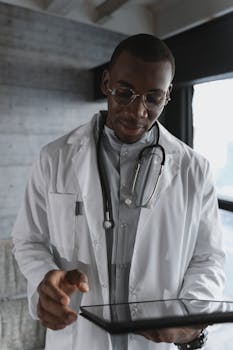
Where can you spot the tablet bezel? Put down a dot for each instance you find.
(131, 326)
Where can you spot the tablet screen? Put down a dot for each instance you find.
(135, 316)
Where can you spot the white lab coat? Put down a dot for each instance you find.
(178, 247)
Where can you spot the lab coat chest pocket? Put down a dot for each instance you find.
(61, 208)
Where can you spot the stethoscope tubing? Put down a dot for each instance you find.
(107, 203)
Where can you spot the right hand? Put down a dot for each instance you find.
(54, 297)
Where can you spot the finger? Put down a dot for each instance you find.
(152, 335)
(48, 323)
(51, 320)
(79, 279)
(50, 286)
(179, 335)
(51, 326)
(47, 319)
(199, 327)
(59, 310)
(168, 335)
(55, 293)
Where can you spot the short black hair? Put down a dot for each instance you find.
(147, 47)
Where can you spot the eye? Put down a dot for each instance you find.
(124, 93)
(154, 98)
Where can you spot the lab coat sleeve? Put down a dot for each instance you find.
(31, 235)
(205, 277)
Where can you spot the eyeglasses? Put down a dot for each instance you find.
(152, 100)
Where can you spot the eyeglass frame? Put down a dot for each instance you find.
(112, 92)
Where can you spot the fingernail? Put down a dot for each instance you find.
(65, 301)
(72, 318)
(84, 285)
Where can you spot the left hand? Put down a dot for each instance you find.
(172, 335)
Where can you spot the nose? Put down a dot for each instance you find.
(138, 108)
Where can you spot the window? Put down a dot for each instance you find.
(213, 137)
(213, 131)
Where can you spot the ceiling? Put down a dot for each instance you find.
(163, 18)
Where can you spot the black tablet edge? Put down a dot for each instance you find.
(176, 321)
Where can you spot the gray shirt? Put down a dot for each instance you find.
(119, 161)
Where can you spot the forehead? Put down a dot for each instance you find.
(140, 74)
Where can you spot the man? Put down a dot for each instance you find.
(103, 222)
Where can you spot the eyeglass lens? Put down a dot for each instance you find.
(151, 100)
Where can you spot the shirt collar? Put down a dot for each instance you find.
(146, 139)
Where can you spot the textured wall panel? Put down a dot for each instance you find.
(17, 330)
(54, 39)
(46, 90)
(13, 284)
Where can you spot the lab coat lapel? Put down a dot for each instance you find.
(85, 167)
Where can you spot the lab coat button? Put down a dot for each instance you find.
(125, 152)
(96, 242)
(128, 201)
(123, 186)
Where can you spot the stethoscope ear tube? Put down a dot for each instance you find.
(163, 153)
(107, 203)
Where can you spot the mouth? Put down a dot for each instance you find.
(132, 128)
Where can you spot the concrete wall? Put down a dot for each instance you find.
(46, 89)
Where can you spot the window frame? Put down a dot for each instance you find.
(225, 205)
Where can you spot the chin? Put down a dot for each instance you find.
(128, 139)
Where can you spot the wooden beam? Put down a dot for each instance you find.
(61, 7)
(107, 8)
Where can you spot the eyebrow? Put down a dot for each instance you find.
(126, 84)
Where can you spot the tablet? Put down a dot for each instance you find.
(155, 314)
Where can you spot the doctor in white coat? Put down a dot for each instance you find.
(59, 239)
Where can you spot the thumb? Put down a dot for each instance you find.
(78, 278)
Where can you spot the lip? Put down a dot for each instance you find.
(131, 131)
(132, 126)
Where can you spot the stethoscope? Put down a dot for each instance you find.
(108, 222)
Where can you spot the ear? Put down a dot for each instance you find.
(168, 93)
(105, 82)
(169, 90)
